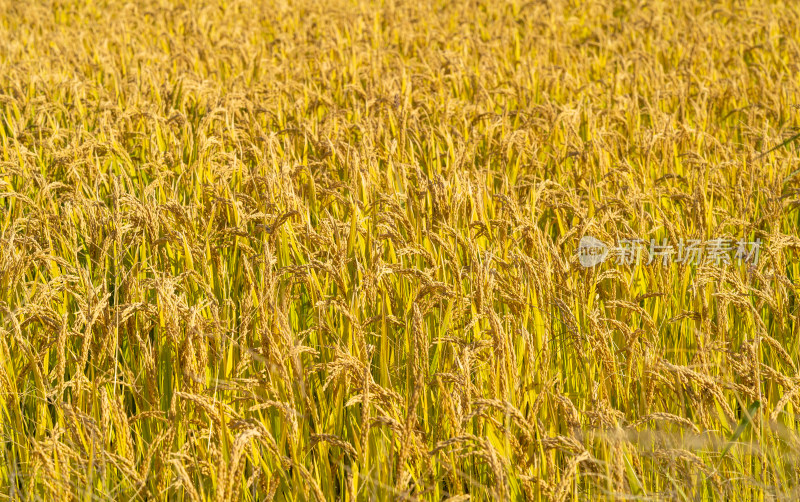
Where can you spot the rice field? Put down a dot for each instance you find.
(364, 251)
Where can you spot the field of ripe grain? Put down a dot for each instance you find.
(332, 250)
